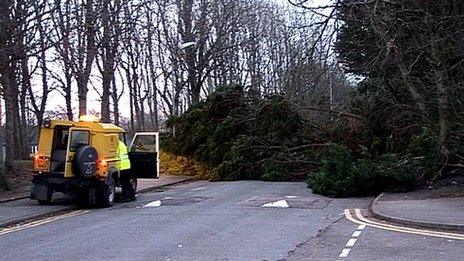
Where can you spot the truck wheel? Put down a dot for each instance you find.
(48, 200)
(106, 193)
(42, 193)
(82, 199)
(129, 189)
(44, 202)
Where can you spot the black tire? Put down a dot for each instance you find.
(106, 193)
(47, 193)
(82, 199)
(49, 198)
(85, 161)
(129, 189)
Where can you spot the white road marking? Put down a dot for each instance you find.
(360, 219)
(154, 204)
(290, 196)
(277, 204)
(361, 227)
(351, 242)
(200, 188)
(345, 252)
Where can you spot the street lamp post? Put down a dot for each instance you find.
(182, 47)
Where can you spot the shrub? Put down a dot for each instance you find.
(388, 173)
(275, 120)
(176, 165)
(343, 175)
(273, 171)
(425, 145)
(338, 175)
(236, 136)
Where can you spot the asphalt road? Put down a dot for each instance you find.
(220, 221)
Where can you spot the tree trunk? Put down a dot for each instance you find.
(131, 98)
(3, 183)
(115, 98)
(12, 123)
(443, 111)
(154, 102)
(82, 95)
(90, 52)
(23, 133)
(67, 96)
(108, 63)
(135, 96)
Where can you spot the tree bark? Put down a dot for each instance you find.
(90, 52)
(108, 59)
(115, 99)
(12, 123)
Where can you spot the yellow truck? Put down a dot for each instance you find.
(89, 159)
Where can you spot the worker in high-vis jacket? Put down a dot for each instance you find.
(128, 181)
(124, 162)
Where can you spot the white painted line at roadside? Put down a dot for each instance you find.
(361, 227)
(356, 234)
(351, 242)
(277, 204)
(345, 252)
(154, 204)
(200, 188)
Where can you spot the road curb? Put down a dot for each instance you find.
(34, 217)
(375, 212)
(167, 184)
(13, 199)
(60, 211)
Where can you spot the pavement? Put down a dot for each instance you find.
(435, 209)
(21, 208)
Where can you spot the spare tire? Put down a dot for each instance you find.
(85, 161)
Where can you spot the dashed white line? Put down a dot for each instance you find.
(345, 252)
(351, 242)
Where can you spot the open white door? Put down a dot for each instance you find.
(144, 155)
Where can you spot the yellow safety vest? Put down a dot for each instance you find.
(124, 162)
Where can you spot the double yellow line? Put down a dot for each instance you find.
(43, 221)
(360, 219)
